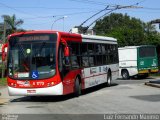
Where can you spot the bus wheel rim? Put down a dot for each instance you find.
(109, 80)
(124, 75)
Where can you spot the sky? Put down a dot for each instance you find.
(49, 14)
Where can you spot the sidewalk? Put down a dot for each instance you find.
(155, 83)
(4, 98)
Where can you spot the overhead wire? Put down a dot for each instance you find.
(148, 8)
(16, 9)
(46, 17)
(76, 13)
(37, 17)
(35, 7)
(116, 7)
(90, 2)
(58, 15)
(141, 11)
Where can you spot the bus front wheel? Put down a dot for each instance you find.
(77, 88)
(125, 74)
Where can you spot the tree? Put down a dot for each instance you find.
(128, 30)
(1, 30)
(10, 26)
(12, 23)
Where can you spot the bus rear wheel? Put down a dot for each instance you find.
(125, 74)
(146, 75)
(77, 89)
(109, 79)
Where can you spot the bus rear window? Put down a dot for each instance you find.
(147, 52)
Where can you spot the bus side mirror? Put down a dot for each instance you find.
(4, 51)
(66, 57)
(66, 51)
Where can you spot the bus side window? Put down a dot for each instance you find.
(84, 53)
(104, 49)
(92, 60)
(75, 62)
(85, 62)
(74, 49)
(107, 54)
(91, 49)
(75, 53)
(60, 58)
(84, 49)
(98, 49)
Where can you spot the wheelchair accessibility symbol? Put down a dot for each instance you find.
(35, 74)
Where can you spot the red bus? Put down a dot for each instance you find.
(58, 63)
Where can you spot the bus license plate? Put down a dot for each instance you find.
(31, 91)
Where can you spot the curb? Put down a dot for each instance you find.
(152, 84)
(3, 101)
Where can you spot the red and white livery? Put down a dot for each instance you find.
(58, 63)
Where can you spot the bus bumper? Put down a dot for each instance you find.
(54, 90)
(148, 71)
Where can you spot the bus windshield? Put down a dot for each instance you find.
(147, 51)
(32, 56)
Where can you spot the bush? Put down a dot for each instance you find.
(3, 81)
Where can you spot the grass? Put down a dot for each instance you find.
(156, 75)
(3, 81)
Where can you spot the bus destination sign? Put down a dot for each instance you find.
(33, 38)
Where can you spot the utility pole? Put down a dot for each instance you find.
(4, 31)
(4, 40)
(59, 19)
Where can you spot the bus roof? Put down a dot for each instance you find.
(129, 47)
(98, 39)
(74, 36)
(135, 47)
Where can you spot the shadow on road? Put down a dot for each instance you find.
(59, 98)
(150, 98)
(96, 88)
(137, 78)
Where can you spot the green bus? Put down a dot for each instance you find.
(137, 60)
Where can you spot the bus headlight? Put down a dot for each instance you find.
(52, 83)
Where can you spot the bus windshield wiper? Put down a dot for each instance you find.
(42, 46)
(22, 50)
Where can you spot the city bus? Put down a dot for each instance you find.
(58, 63)
(137, 61)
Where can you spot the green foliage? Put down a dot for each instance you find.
(128, 31)
(1, 33)
(3, 81)
(12, 24)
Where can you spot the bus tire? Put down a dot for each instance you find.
(125, 74)
(143, 76)
(77, 87)
(146, 75)
(34, 98)
(109, 79)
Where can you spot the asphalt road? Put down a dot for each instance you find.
(124, 96)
